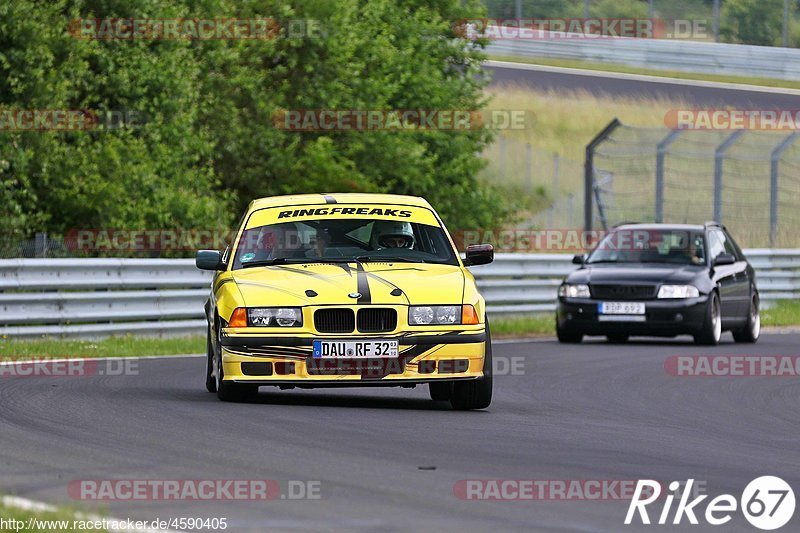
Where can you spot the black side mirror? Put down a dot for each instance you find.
(578, 259)
(479, 254)
(209, 260)
(724, 259)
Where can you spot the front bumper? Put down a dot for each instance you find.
(288, 361)
(668, 317)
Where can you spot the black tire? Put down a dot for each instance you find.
(211, 380)
(228, 391)
(476, 393)
(441, 391)
(618, 338)
(567, 337)
(712, 325)
(752, 330)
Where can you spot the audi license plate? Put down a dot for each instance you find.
(622, 308)
(355, 349)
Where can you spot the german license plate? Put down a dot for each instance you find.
(355, 349)
(622, 308)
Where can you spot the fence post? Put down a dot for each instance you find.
(773, 185)
(588, 171)
(719, 157)
(660, 154)
(529, 163)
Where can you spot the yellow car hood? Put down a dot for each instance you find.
(334, 284)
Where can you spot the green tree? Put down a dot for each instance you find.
(757, 22)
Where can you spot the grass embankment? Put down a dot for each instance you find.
(125, 346)
(47, 520)
(783, 314)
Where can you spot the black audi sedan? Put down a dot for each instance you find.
(661, 280)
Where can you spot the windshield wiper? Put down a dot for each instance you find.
(384, 259)
(265, 262)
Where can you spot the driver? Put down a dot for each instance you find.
(391, 234)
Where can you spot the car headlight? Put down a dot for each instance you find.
(421, 315)
(579, 290)
(678, 291)
(275, 316)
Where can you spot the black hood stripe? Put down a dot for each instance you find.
(362, 285)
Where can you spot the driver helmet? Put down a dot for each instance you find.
(391, 234)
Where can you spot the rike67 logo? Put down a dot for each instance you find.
(767, 503)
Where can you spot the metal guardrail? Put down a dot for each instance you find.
(689, 56)
(100, 297)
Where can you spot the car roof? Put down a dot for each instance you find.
(680, 227)
(340, 198)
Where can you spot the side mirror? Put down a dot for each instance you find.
(578, 259)
(479, 254)
(209, 260)
(724, 259)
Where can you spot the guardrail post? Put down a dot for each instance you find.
(588, 176)
(773, 185)
(719, 157)
(663, 146)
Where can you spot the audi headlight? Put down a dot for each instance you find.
(422, 315)
(275, 316)
(678, 291)
(574, 291)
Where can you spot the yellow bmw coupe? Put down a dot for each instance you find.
(333, 290)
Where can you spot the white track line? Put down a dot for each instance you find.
(84, 359)
(642, 77)
(24, 504)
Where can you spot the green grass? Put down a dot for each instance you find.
(8, 513)
(611, 67)
(784, 313)
(125, 346)
(537, 325)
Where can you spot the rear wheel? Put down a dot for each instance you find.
(441, 391)
(712, 326)
(752, 329)
(476, 393)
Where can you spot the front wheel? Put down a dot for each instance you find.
(712, 326)
(228, 391)
(752, 330)
(441, 391)
(476, 393)
(211, 380)
(567, 337)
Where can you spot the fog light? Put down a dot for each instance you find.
(426, 367)
(453, 366)
(257, 369)
(283, 369)
(679, 318)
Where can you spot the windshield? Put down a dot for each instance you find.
(337, 240)
(651, 246)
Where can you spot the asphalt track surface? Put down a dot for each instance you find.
(614, 85)
(591, 411)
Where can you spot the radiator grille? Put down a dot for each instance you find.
(623, 292)
(334, 320)
(376, 320)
